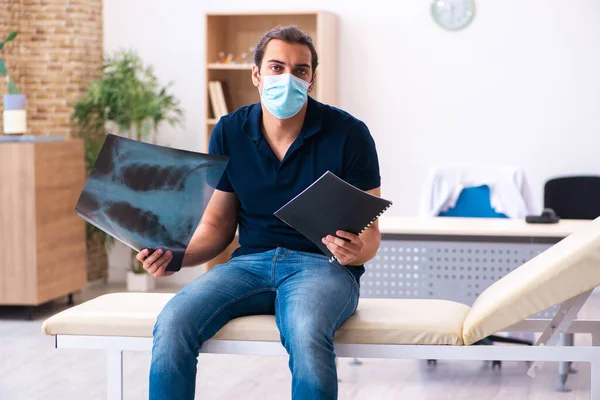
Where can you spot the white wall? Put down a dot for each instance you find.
(520, 85)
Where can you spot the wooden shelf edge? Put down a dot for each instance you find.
(232, 66)
(212, 121)
(266, 13)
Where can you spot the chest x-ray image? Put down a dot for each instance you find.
(149, 196)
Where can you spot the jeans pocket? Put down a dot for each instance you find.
(349, 274)
(324, 260)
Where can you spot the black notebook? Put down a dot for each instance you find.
(149, 196)
(331, 204)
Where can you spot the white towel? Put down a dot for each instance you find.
(510, 193)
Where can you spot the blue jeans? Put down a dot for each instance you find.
(309, 296)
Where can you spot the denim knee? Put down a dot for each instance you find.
(304, 337)
(175, 329)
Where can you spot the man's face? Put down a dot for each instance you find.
(281, 58)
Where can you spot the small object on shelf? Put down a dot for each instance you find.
(15, 114)
(234, 59)
(14, 117)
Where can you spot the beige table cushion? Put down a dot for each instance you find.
(565, 270)
(380, 321)
(116, 314)
(405, 321)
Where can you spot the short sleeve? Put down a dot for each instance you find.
(361, 162)
(215, 147)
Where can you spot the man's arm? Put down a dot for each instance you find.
(371, 237)
(359, 249)
(214, 233)
(361, 169)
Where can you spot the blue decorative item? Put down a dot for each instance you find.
(473, 202)
(14, 101)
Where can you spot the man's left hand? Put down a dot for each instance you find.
(346, 251)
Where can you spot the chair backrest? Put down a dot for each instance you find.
(574, 197)
(565, 270)
(473, 202)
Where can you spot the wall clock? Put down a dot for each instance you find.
(453, 14)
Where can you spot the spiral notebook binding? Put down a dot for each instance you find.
(332, 258)
(375, 219)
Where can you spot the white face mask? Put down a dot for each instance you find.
(284, 95)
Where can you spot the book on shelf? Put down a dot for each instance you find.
(219, 97)
(214, 102)
(227, 96)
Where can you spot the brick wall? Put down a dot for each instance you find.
(57, 53)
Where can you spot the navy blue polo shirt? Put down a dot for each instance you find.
(330, 140)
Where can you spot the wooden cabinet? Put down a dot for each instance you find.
(42, 240)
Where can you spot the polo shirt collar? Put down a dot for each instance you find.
(312, 120)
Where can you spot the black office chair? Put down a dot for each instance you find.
(572, 197)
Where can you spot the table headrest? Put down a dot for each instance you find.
(565, 270)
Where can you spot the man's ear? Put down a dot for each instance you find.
(312, 84)
(255, 79)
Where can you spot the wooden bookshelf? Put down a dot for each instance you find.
(235, 33)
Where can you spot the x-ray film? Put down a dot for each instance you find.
(149, 196)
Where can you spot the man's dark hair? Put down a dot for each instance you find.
(289, 34)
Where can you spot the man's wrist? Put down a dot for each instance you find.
(357, 262)
(363, 258)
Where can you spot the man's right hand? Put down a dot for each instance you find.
(156, 263)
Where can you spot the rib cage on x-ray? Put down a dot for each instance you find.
(149, 196)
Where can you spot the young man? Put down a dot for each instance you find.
(276, 149)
